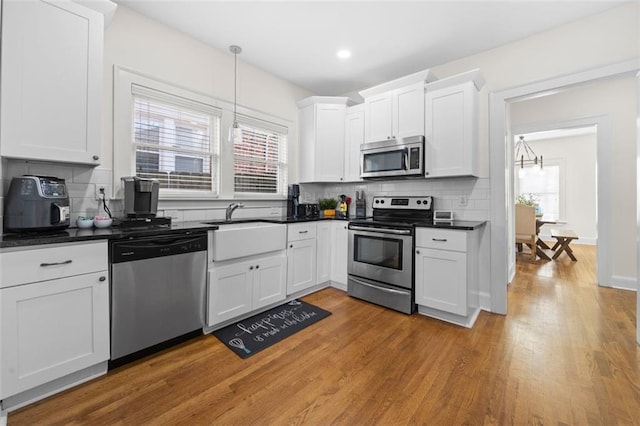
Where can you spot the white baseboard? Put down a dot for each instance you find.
(624, 283)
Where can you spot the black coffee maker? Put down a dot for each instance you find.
(293, 196)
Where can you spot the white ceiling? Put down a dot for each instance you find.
(298, 40)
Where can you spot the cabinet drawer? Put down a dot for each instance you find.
(301, 231)
(51, 262)
(443, 239)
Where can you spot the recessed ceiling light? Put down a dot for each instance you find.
(343, 54)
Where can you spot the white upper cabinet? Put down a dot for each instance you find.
(51, 84)
(321, 121)
(395, 109)
(451, 125)
(354, 137)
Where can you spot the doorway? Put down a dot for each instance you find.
(500, 150)
(564, 182)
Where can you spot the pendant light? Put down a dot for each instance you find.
(523, 149)
(235, 133)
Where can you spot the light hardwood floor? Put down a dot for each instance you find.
(564, 354)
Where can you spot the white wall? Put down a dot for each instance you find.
(138, 43)
(616, 100)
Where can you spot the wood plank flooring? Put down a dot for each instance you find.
(564, 354)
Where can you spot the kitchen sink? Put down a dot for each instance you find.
(240, 239)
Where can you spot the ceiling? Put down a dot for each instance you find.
(298, 40)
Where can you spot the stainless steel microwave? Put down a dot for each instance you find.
(392, 158)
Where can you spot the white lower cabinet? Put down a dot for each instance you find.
(241, 286)
(55, 327)
(301, 264)
(301, 256)
(340, 254)
(446, 274)
(441, 280)
(323, 247)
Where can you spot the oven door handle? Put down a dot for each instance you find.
(381, 230)
(385, 289)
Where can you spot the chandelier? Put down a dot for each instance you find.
(525, 156)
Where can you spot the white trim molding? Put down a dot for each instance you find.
(624, 283)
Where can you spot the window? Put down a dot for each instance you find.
(175, 140)
(545, 186)
(260, 161)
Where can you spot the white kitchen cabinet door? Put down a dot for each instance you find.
(51, 329)
(51, 83)
(321, 122)
(323, 244)
(354, 137)
(408, 111)
(340, 253)
(330, 143)
(378, 117)
(230, 291)
(301, 265)
(451, 139)
(270, 281)
(441, 280)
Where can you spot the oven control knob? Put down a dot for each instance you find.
(424, 202)
(419, 202)
(381, 201)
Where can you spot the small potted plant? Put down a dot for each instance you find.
(530, 200)
(327, 207)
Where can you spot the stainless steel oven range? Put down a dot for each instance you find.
(381, 251)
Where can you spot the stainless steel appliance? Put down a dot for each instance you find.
(36, 203)
(308, 210)
(381, 251)
(158, 287)
(392, 158)
(293, 195)
(140, 196)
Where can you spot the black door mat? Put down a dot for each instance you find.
(258, 332)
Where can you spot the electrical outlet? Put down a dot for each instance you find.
(100, 189)
(463, 200)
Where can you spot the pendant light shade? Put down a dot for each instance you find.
(235, 132)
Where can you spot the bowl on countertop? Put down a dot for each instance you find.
(84, 222)
(102, 222)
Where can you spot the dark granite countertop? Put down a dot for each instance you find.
(115, 232)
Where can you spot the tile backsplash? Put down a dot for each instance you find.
(468, 197)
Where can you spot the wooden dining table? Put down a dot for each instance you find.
(540, 244)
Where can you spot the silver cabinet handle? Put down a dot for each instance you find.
(291, 246)
(439, 239)
(66, 262)
(257, 266)
(302, 232)
(102, 279)
(417, 251)
(251, 268)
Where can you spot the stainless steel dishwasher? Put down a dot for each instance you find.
(158, 287)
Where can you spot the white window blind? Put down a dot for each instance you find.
(545, 187)
(260, 161)
(176, 141)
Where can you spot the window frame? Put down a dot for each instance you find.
(553, 162)
(281, 164)
(124, 156)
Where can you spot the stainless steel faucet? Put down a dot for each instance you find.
(231, 208)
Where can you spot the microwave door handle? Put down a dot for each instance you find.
(405, 159)
(61, 213)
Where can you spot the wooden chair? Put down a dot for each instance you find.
(526, 228)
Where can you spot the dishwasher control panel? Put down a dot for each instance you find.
(139, 248)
